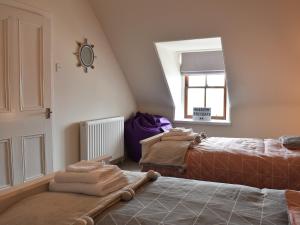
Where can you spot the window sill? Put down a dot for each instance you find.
(211, 122)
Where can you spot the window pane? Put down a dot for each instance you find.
(195, 99)
(216, 79)
(197, 80)
(215, 100)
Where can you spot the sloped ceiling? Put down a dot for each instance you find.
(261, 42)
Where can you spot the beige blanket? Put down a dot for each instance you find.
(167, 153)
(189, 137)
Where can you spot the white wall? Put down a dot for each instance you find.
(101, 93)
(261, 42)
(169, 62)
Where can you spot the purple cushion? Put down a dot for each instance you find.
(141, 126)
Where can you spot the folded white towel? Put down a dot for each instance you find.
(180, 132)
(91, 177)
(189, 137)
(84, 166)
(102, 188)
(180, 129)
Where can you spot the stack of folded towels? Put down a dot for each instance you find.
(90, 178)
(183, 134)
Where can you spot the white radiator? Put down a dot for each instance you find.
(102, 137)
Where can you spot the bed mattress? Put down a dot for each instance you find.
(173, 201)
(261, 163)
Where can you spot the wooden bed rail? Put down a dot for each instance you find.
(125, 194)
(105, 158)
(12, 195)
(152, 140)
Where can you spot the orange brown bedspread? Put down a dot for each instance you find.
(293, 206)
(261, 163)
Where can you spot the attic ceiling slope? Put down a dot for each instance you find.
(260, 43)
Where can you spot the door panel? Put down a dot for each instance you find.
(25, 93)
(4, 94)
(5, 164)
(31, 68)
(33, 156)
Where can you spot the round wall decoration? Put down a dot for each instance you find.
(85, 55)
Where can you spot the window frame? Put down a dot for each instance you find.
(187, 87)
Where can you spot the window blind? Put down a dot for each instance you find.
(202, 62)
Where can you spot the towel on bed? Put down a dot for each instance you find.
(189, 137)
(110, 184)
(178, 132)
(167, 153)
(179, 129)
(290, 142)
(84, 166)
(91, 177)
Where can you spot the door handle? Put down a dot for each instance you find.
(48, 113)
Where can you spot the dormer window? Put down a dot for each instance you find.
(204, 82)
(196, 77)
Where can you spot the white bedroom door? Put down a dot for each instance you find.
(25, 96)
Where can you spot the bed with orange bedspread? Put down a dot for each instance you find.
(262, 163)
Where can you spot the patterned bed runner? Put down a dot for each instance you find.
(173, 201)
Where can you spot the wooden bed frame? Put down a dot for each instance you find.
(12, 195)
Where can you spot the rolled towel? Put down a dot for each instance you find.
(197, 139)
(190, 137)
(102, 188)
(91, 177)
(203, 135)
(290, 142)
(84, 166)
